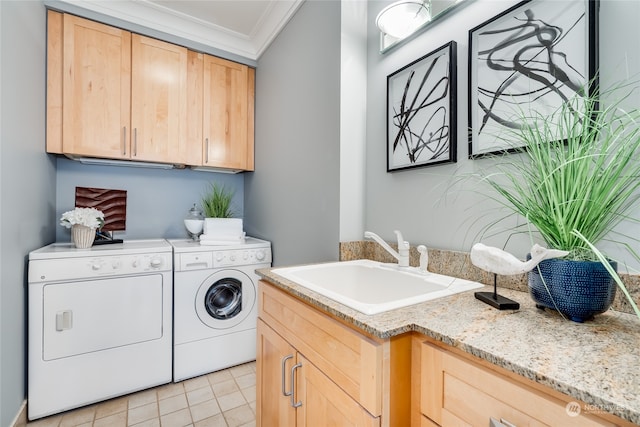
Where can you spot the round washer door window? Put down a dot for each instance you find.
(225, 299)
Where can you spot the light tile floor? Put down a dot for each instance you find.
(225, 398)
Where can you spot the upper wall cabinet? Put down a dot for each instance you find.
(221, 113)
(117, 95)
(159, 101)
(88, 88)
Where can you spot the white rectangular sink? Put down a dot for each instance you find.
(372, 287)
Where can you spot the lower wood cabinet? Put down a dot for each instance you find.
(457, 391)
(275, 359)
(292, 391)
(313, 369)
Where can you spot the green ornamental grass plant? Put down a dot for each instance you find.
(577, 177)
(217, 202)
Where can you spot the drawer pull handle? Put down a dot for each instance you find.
(206, 150)
(293, 384)
(502, 423)
(282, 374)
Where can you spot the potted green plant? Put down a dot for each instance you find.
(217, 201)
(220, 224)
(576, 177)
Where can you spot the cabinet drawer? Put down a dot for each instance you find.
(456, 391)
(348, 358)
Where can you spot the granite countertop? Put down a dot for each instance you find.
(597, 362)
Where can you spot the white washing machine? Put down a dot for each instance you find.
(100, 323)
(215, 304)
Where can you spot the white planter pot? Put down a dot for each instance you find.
(222, 230)
(82, 236)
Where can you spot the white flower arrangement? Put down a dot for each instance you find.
(89, 217)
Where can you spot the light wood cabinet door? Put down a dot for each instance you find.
(96, 89)
(112, 94)
(159, 101)
(460, 392)
(323, 403)
(195, 93)
(349, 359)
(291, 391)
(275, 358)
(227, 114)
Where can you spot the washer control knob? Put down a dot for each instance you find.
(260, 255)
(96, 266)
(135, 263)
(232, 257)
(219, 256)
(156, 262)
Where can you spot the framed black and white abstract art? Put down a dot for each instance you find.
(528, 60)
(421, 111)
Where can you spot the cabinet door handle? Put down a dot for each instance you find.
(502, 423)
(135, 142)
(206, 150)
(124, 141)
(293, 385)
(282, 374)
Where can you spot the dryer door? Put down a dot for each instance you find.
(225, 299)
(95, 315)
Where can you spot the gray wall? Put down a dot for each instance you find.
(427, 204)
(353, 118)
(27, 184)
(157, 199)
(293, 197)
(412, 200)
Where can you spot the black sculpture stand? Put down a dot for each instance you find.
(105, 238)
(495, 300)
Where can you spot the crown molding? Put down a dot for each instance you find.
(158, 18)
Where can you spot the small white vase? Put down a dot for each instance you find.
(82, 236)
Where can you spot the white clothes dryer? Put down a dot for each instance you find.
(215, 304)
(99, 323)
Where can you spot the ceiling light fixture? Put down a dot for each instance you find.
(403, 17)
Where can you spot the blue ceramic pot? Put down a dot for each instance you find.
(579, 289)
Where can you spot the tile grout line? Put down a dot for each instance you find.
(155, 398)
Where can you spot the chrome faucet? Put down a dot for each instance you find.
(403, 247)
